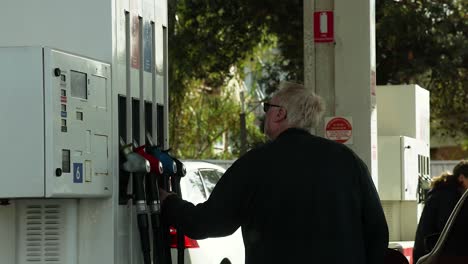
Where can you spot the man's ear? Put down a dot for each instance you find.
(281, 114)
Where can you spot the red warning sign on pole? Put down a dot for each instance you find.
(323, 26)
(339, 129)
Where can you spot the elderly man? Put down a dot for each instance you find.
(299, 198)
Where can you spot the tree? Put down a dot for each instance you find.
(206, 38)
(425, 42)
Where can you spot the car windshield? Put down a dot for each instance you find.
(199, 182)
(193, 189)
(210, 177)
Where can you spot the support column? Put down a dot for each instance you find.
(343, 71)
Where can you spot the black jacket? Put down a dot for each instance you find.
(437, 209)
(298, 199)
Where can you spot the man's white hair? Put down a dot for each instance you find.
(304, 108)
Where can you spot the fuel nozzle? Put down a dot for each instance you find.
(174, 170)
(156, 165)
(178, 171)
(169, 165)
(134, 163)
(181, 170)
(139, 166)
(156, 171)
(160, 229)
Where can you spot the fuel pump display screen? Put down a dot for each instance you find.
(79, 84)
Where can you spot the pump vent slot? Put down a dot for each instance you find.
(43, 229)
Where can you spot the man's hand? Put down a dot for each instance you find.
(163, 194)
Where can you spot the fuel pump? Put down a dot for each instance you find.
(139, 166)
(69, 203)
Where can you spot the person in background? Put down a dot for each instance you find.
(299, 198)
(445, 192)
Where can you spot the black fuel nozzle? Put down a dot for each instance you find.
(174, 169)
(181, 170)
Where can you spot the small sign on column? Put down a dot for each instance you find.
(323, 26)
(339, 129)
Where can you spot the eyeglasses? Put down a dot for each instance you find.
(267, 106)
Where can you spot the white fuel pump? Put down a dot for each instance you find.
(57, 116)
(75, 77)
(403, 128)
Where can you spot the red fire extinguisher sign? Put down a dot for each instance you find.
(323, 26)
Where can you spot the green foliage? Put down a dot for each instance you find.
(265, 66)
(204, 119)
(206, 38)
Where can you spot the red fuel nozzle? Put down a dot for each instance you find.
(155, 165)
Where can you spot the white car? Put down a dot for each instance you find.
(196, 187)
